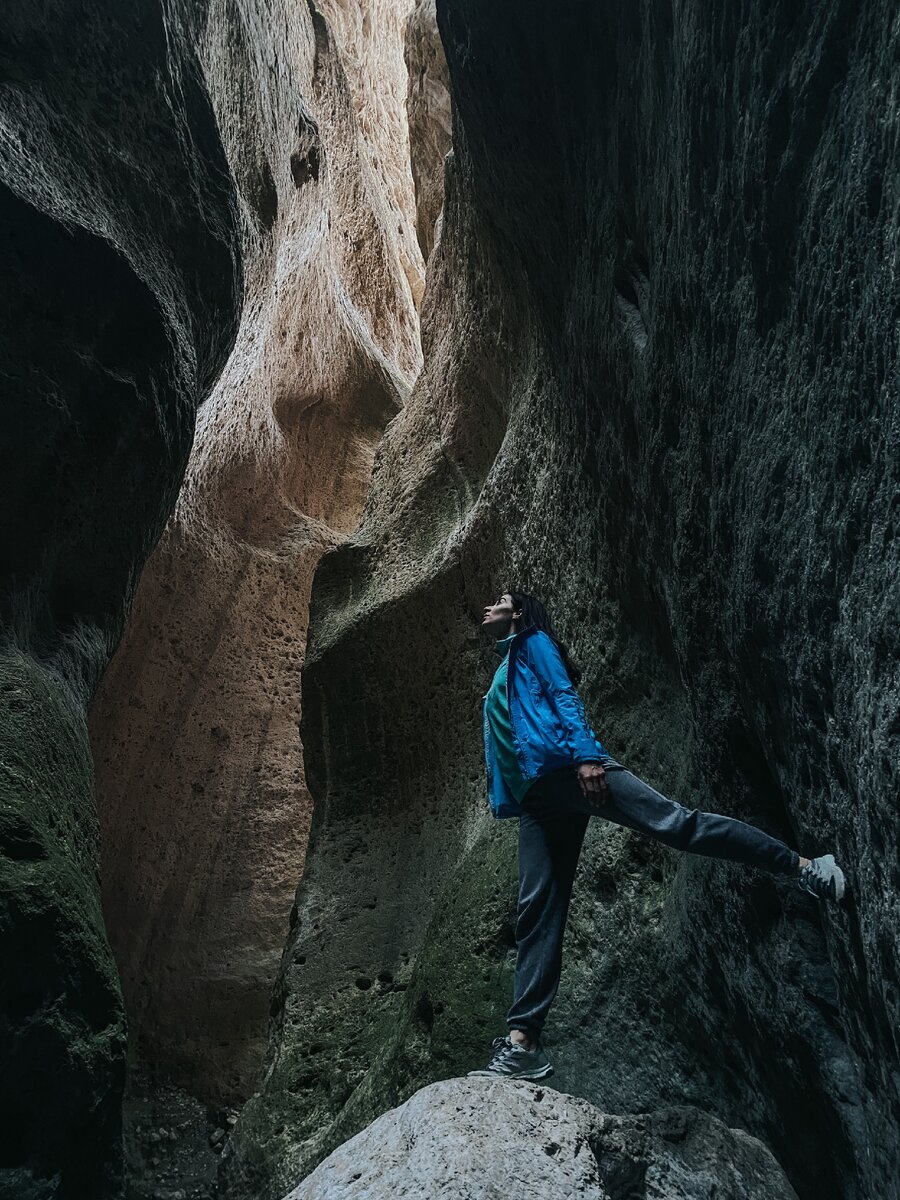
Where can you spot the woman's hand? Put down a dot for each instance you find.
(593, 783)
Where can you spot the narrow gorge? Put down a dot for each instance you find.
(303, 364)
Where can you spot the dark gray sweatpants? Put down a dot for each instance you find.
(550, 835)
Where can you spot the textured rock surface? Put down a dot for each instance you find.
(172, 1140)
(201, 789)
(490, 1139)
(428, 108)
(118, 238)
(660, 390)
(370, 35)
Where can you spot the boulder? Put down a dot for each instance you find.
(500, 1140)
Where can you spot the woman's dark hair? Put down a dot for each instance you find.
(534, 613)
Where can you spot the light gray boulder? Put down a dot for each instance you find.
(491, 1139)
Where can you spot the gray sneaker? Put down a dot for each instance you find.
(823, 878)
(515, 1062)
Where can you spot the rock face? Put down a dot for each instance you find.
(493, 1140)
(371, 36)
(659, 391)
(201, 791)
(118, 237)
(428, 109)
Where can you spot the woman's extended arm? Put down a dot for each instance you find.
(549, 665)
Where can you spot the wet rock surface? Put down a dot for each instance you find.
(658, 391)
(489, 1139)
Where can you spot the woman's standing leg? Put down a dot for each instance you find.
(549, 847)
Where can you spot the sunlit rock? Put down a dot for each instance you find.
(202, 797)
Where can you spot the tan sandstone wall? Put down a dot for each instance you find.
(203, 806)
(371, 35)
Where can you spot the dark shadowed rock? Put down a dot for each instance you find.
(496, 1140)
(660, 391)
(121, 285)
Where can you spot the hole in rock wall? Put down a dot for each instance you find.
(263, 196)
(632, 288)
(305, 166)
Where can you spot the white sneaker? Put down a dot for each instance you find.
(823, 878)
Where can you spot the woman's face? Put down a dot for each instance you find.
(498, 616)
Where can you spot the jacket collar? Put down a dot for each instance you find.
(504, 645)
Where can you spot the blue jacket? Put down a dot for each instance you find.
(550, 729)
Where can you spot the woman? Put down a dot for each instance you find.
(546, 767)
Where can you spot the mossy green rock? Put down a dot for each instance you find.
(62, 1036)
(118, 239)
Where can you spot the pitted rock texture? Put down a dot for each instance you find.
(201, 790)
(659, 391)
(391, 829)
(120, 252)
(501, 1140)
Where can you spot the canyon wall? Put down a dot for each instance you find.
(659, 336)
(141, 176)
(428, 112)
(201, 791)
(371, 36)
(119, 243)
(659, 390)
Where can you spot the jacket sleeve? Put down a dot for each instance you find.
(549, 666)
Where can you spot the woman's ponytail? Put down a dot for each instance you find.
(534, 613)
